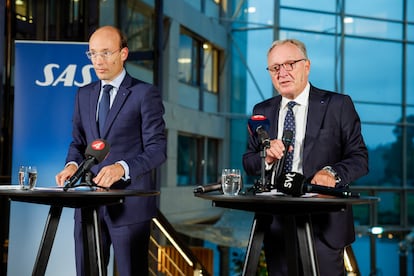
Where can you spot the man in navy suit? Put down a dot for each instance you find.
(328, 150)
(135, 129)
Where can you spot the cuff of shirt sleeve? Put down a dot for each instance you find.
(268, 167)
(126, 170)
(72, 163)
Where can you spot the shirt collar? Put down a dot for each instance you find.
(117, 81)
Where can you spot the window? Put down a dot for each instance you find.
(198, 62)
(136, 21)
(197, 161)
(188, 60)
(43, 20)
(210, 76)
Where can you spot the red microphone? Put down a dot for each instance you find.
(95, 153)
(98, 149)
(258, 126)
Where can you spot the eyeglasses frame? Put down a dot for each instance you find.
(275, 69)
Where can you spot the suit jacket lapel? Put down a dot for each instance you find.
(274, 117)
(118, 102)
(93, 105)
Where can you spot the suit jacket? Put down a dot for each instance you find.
(134, 128)
(333, 137)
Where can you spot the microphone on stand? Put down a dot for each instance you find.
(258, 126)
(293, 184)
(287, 139)
(95, 153)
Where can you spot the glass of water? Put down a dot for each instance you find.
(32, 177)
(231, 181)
(22, 176)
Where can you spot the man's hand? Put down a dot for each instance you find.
(324, 178)
(275, 151)
(65, 174)
(108, 175)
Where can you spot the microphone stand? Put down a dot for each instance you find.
(87, 183)
(260, 185)
(88, 179)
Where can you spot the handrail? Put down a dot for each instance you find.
(173, 237)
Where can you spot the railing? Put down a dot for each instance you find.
(350, 262)
(169, 255)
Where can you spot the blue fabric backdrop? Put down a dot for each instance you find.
(46, 78)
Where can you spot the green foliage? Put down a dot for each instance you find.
(238, 260)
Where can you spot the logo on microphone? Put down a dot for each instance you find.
(258, 117)
(98, 145)
(288, 183)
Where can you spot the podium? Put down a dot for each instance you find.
(89, 203)
(296, 212)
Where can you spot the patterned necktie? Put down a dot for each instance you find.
(104, 107)
(289, 125)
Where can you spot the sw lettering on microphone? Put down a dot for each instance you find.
(293, 183)
(288, 180)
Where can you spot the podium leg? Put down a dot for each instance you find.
(92, 248)
(254, 246)
(291, 244)
(47, 240)
(306, 245)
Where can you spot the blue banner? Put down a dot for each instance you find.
(46, 78)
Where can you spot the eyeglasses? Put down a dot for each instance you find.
(288, 66)
(104, 54)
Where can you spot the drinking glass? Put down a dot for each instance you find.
(22, 177)
(32, 177)
(231, 181)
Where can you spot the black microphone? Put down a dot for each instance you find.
(95, 153)
(287, 139)
(207, 188)
(293, 184)
(258, 126)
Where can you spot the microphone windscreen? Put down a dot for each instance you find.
(256, 122)
(291, 183)
(99, 149)
(287, 137)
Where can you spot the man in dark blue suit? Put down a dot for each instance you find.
(135, 129)
(328, 150)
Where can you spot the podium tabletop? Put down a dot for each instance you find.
(297, 211)
(71, 198)
(283, 204)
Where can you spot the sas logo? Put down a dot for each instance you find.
(53, 76)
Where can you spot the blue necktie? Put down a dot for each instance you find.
(104, 107)
(289, 125)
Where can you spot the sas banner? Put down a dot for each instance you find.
(46, 77)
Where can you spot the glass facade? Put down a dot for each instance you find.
(366, 57)
(363, 49)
